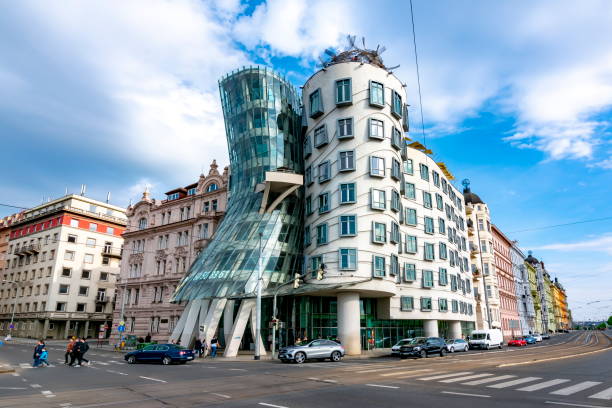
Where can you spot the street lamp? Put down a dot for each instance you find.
(14, 307)
(258, 304)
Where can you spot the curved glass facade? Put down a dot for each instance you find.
(262, 124)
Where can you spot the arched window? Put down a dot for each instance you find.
(142, 223)
(212, 187)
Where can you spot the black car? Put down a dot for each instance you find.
(423, 347)
(160, 353)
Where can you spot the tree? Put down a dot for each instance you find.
(610, 321)
(601, 326)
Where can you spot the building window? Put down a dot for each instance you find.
(316, 104)
(345, 128)
(395, 233)
(486, 269)
(308, 205)
(378, 199)
(439, 202)
(483, 245)
(428, 279)
(306, 235)
(378, 266)
(394, 269)
(343, 92)
(83, 290)
(379, 232)
(104, 276)
(88, 258)
(74, 223)
(211, 188)
(395, 170)
(307, 147)
(426, 304)
(69, 256)
(377, 166)
(348, 259)
(396, 138)
(455, 306)
(377, 94)
(442, 305)
(323, 203)
(396, 105)
(85, 274)
(424, 172)
(409, 191)
(453, 283)
(308, 175)
(408, 167)
(315, 263)
(436, 178)
(411, 244)
(406, 303)
(60, 307)
(442, 277)
(321, 234)
(429, 225)
(348, 225)
(441, 225)
(410, 216)
(395, 201)
(64, 289)
(347, 193)
(426, 200)
(90, 242)
(324, 172)
(442, 250)
(409, 272)
(346, 160)
(72, 238)
(376, 129)
(429, 252)
(320, 136)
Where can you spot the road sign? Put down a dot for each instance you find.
(12, 326)
(121, 329)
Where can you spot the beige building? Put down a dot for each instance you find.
(162, 240)
(5, 234)
(61, 268)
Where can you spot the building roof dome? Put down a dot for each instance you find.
(531, 259)
(471, 198)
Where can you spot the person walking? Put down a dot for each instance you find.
(198, 347)
(37, 351)
(83, 349)
(213, 347)
(69, 347)
(43, 357)
(148, 338)
(76, 354)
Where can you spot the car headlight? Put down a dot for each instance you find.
(417, 348)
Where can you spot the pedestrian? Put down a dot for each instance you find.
(43, 357)
(198, 347)
(213, 347)
(68, 349)
(298, 341)
(83, 349)
(75, 356)
(40, 345)
(148, 338)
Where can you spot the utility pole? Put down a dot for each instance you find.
(258, 304)
(14, 307)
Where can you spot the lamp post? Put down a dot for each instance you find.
(258, 303)
(14, 307)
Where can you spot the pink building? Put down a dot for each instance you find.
(163, 238)
(508, 306)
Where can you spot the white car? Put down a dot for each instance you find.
(537, 336)
(395, 350)
(453, 345)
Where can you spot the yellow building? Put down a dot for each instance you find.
(562, 317)
(537, 300)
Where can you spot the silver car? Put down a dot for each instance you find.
(453, 345)
(315, 349)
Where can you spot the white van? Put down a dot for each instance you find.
(485, 339)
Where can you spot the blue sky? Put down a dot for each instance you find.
(517, 97)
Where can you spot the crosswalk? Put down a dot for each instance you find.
(60, 363)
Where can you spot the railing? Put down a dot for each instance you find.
(101, 298)
(112, 252)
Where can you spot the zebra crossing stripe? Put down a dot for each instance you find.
(436, 377)
(514, 382)
(576, 388)
(469, 377)
(489, 380)
(605, 394)
(545, 384)
(416, 372)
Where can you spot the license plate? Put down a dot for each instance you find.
(189, 358)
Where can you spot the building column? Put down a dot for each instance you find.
(67, 329)
(86, 334)
(228, 320)
(349, 323)
(455, 329)
(431, 328)
(45, 329)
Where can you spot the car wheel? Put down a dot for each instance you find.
(442, 353)
(335, 356)
(452, 350)
(466, 348)
(423, 354)
(487, 347)
(300, 357)
(183, 362)
(500, 346)
(166, 360)
(131, 360)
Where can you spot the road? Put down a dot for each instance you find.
(569, 370)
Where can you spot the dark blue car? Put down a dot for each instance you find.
(164, 353)
(530, 339)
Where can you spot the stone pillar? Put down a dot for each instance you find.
(349, 324)
(228, 320)
(86, 331)
(455, 329)
(67, 329)
(431, 328)
(45, 329)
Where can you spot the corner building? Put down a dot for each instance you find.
(380, 215)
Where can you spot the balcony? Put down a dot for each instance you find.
(102, 298)
(201, 243)
(112, 252)
(29, 249)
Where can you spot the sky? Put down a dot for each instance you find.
(516, 97)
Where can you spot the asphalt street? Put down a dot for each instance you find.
(572, 369)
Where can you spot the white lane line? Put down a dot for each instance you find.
(415, 372)
(46, 392)
(330, 381)
(489, 380)
(271, 405)
(238, 369)
(380, 369)
(469, 377)
(576, 388)
(13, 388)
(465, 394)
(220, 395)
(514, 382)
(16, 374)
(153, 379)
(436, 377)
(545, 384)
(382, 386)
(605, 394)
(574, 405)
(100, 362)
(35, 385)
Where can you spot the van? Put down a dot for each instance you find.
(485, 339)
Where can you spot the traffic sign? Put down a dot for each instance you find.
(121, 329)
(12, 326)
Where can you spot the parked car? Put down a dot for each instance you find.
(160, 353)
(396, 348)
(315, 349)
(517, 342)
(453, 345)
(423, 347)
(538, 337)
(530, 339)
(485, 339)
(545, 336)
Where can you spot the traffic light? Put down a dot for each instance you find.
(296, 281)
(321, 272)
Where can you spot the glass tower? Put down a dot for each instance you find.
(262, 124)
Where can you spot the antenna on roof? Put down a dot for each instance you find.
(83, 189)
(108, 197)
(66, 191)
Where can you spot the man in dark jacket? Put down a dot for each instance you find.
(76, 353)
(37, 351)
(198, 347)
(83, 349)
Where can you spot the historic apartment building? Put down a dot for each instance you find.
(61, 268)
(524, 298)
(508, 306)
(163, 238)
(5, 236)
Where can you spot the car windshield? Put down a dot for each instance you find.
(418, 340)
(403, 342)
(479, 336)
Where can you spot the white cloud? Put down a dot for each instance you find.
(599, 244)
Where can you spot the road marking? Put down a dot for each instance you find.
(379, 369)
(220, 395)
(489, 380)
(469, 377)
(552, 358)
(576, 388)
(436, 377)
(238, 369)
(153, 379)
(605, 394)
(405, 372)
(514, 382)
(382, 386)
(16, 374)
(545, 384)
(100, 362)
(35, 385)
(46, 392)
(574, 405)
(13, 388)
(465, 394)
(271, 405)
